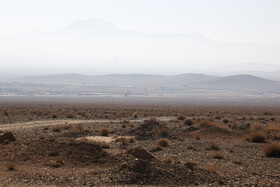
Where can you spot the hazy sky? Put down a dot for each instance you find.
(232, 32)
(220, 20)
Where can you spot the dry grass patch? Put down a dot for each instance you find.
(191, 164)
(124, 140)
(217, 155)
(163, 132)
(206, 123)
(163, 142)
(56, 128)
(181, 117)
(79, 127)
(188, 122)
(155, 148)
(257, 137)
(212, 146)
(101, 144)
(104, 131)
(212, 168)
(272, 150)
(11, 166)
(275, 125)
(167, 160)
(225, 120)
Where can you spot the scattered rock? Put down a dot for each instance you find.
(7, 136)
(140, 153)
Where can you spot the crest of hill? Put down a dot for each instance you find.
(243, 82)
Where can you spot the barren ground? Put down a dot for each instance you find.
(151, 144)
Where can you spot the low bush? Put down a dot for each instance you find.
(104, 131)
(272, 150)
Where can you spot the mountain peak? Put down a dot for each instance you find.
(90, 24)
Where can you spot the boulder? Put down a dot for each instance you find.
(7, 136)
(140, 153)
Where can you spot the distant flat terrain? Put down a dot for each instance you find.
(141, 85)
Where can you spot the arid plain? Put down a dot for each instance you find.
(49, 142)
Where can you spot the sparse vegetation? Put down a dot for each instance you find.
(206, 123)
(11, 166)
(225, 120)
(167, 160)
(257, 137)
(104, 131)
(181, 117)
(188, 122)
(155, 148)
(163, 142)
(79, 127)
(212, 146)
(163, 132)
(57, 129)
(217, 155)
(272, 150)
(193, 153)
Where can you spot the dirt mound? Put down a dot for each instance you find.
(69, 152)
(142, 172)
(140, 153)
(7, 136)
(147, 130)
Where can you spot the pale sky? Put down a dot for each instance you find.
(227, 33)
(221, 20)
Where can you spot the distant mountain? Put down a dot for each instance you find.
(98, 47)
(241, 82)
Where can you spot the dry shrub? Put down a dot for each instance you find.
(197, 137)
(188, 122)
(155, 148)
(212, 168)
(11, 166)
(54, 116)
(163, 132)
(104, 131)
(71, 115)
(131, 125)
(131, 139)
(245, 126)
(181, 117)
(135, 115)
(122, 140)
(78, 128)
(167, 160)
(232, 126)
(257, 137)
(237, 162)
(56, 163)
(56, 128)
(257, 127)
(190, 146)
(163, 142)
(217, 155)
(275, 125)
(191, 164)
(225, 120)
(123, 125)
(101, 144)
(272, 150)
(212, 146)
(206, 123)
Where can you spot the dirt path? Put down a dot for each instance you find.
(32, 124)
